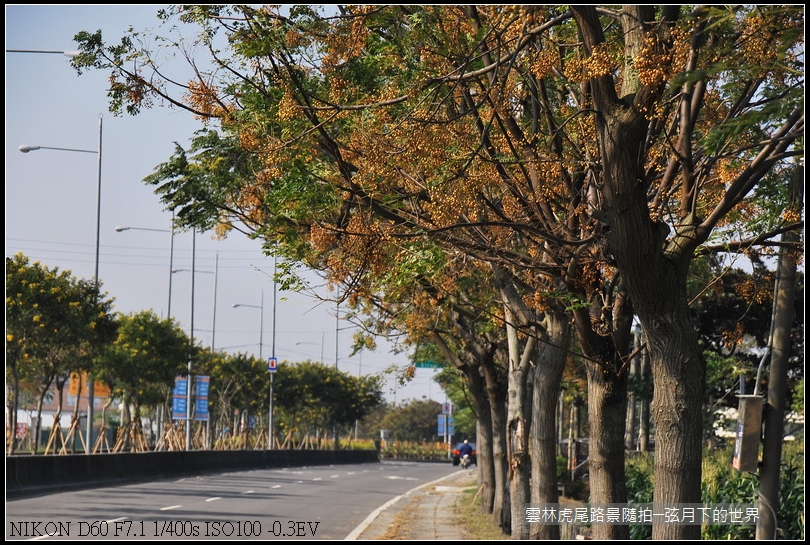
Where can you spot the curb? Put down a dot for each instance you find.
(363, 526)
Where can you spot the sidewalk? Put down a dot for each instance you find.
(425, 512)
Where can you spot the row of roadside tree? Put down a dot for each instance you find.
(495, 181)
(58, 325)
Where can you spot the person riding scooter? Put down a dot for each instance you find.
(465, 451)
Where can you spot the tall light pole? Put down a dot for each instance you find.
(189, 409)
(214, 314)
(261, 322)
(272, 357)
(337, 323)
(121, 229)
(261, 354)
(70, 54)
(26, 149)
(314, 344)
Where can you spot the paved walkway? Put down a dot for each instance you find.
(425, 512)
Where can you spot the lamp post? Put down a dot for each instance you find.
(120, 229)
(70, 54)
(214, 314)
(273, 356)
(261, 322)
(189, 408)
(314, 344)
(26, 149)
(261, 357)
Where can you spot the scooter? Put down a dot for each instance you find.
(465, 461)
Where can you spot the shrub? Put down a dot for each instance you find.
(722, 484)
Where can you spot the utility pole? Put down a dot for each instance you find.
(783, 305)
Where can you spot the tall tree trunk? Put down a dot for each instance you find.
(677, 409)
(483, 443)
(484, 464)
(496, 393)
(784, 301)
(655, 274)
(630, 435)
(644, 402)
(517, 424)
(481, 352)
(12, 405)
(57, 419)
(38, 425)
(607, 412)
(560, 422)
(606, 351)
(546, 390)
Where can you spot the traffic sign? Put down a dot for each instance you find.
(179, 400)
(272, 364)
(201, 398)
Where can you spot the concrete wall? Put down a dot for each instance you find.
(31, 475)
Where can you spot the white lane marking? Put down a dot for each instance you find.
(277, 486)
(170, 507)
(396, 478)
(213, 499)
(248, 492)
(335, 476)
(318, 479)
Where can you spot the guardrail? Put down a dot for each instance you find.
(33, 475)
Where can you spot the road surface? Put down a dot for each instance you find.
(325, 502)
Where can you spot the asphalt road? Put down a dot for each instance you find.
(325, 502)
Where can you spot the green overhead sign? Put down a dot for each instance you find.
(428, 364)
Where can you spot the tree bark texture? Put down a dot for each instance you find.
(546, 389)
(518, 422)
(496, 392)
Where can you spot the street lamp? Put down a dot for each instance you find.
(189, 413)
(214, 315)
(120, 229)
(314, 344)
(26, 149)
(261, 322)
(70, 54)
(273, 356)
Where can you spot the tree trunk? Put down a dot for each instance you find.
(483, 443)
(560, 422)
(630, 435)
(38, 425)
(606, 352)
(12, 404)
(784, 301)
(518, 422)
(679, 378)
(545, 392)
(481, 353)
(607, 411)
(644, 403)
(496, 393)
(655, 270)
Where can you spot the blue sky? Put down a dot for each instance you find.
(51, 204)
